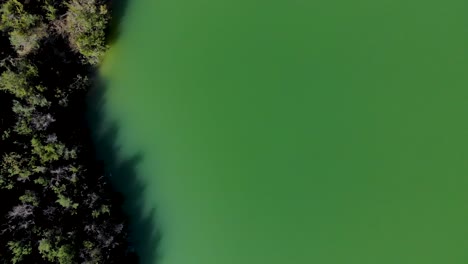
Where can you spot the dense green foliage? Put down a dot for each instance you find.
(56, 205)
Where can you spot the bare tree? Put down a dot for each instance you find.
(21, 211)
(42, 122)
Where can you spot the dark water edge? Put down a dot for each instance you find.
(118, 10)
(144, 235)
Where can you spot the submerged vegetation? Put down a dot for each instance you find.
(56, 203)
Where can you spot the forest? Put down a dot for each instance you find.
(57, 205)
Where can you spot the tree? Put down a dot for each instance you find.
(19, 250)
(22, 211)
(85, 25)
(25, 30)
(59, 254)
(57, 207)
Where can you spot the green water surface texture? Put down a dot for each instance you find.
(299, 131)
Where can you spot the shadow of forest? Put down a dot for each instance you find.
(122, 171)
(144, 234)
(118, 10)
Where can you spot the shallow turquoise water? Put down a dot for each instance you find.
(298, 131)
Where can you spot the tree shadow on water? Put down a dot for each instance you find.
(144, 233)
(118, 10)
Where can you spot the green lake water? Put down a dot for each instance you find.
(299, 131)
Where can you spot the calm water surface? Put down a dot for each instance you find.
(299, 131)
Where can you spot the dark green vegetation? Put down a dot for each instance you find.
(56, 203)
